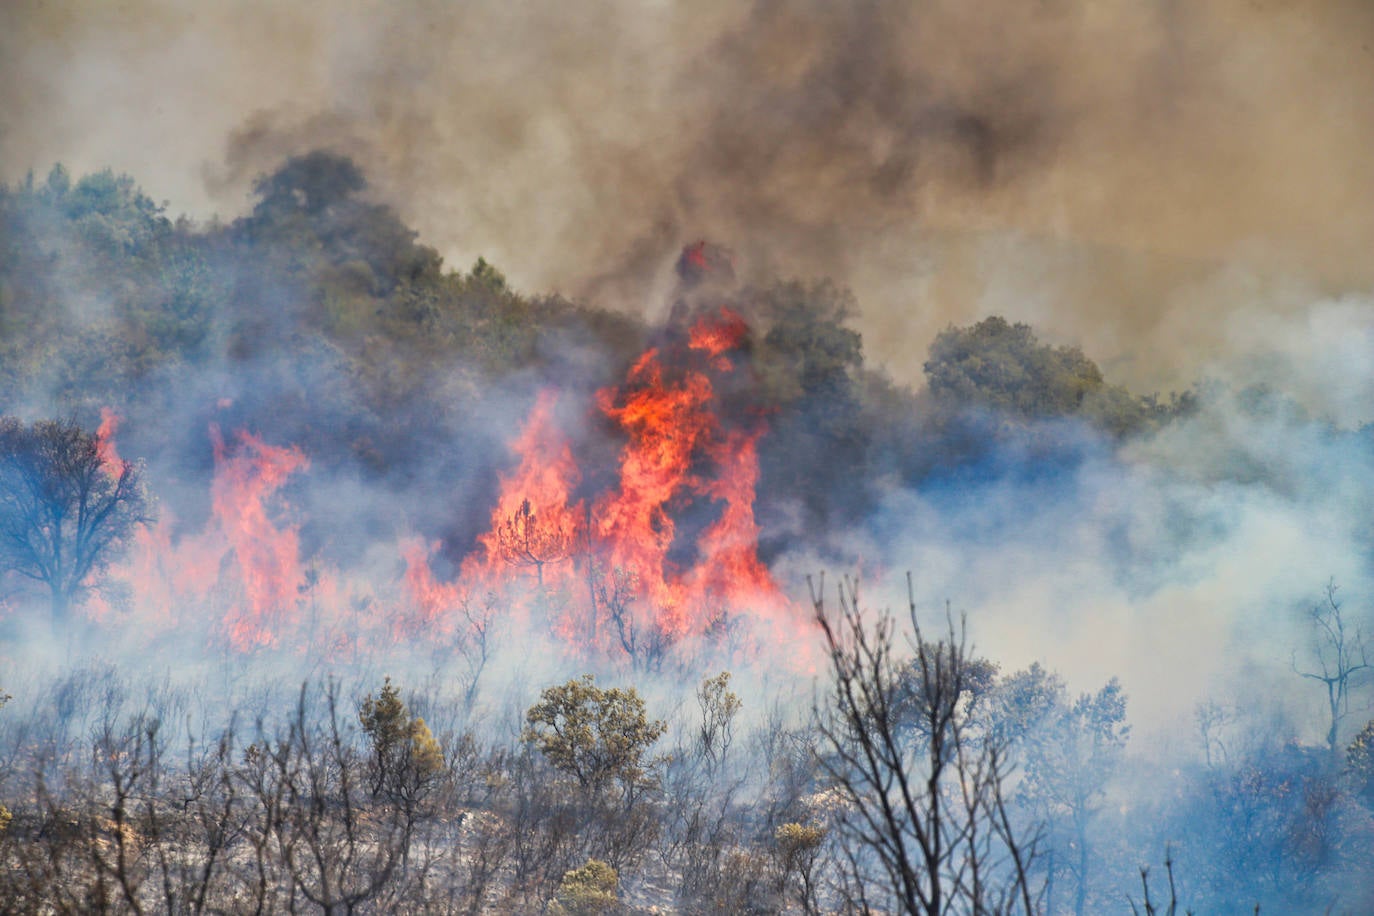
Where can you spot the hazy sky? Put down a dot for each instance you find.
(1151, 179)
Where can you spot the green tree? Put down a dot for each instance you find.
(815, 455)
(798, 848)
(406, 765)
(599, 737)
(309, 184)
(719, 706)
(808, 351)
(1002, 367)
(65, 508)
(406, 758)
(1359, 763)
(113, 216)
(312, 203)
(600, 741)
(485, 274)
(58, 183)
(588, 891)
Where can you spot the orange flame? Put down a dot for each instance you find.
(433, 600)
(613, 565)
(532, 525)
(534, 530)
(267, 557)
(243, 558)
(717, 335)
(666, 424)
(611, 572)
(104, 442)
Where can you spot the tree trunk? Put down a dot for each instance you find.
(1081, 899)
(61, 606)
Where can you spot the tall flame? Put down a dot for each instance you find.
(533, 526)
(244, 561)
(667, 554)
(267, 557)
(535, 533)
(620, 566)
(104, 442)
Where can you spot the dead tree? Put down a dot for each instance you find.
(1339, 655)
(527, 540)
(315, 840)
(925, 827)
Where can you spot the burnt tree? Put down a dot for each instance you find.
(925, 829)
(1339, 657)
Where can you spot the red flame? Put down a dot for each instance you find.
(267, 557)
(432, 600)
(104, 442)
(695, 255)
(533, 526)
(535, 537)
(668, 553)
(718, 334)
(245, 566)
(667, 423)
(612, 567)
(701, 261)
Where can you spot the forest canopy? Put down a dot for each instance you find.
(320, 319)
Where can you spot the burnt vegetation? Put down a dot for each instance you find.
(917, 777)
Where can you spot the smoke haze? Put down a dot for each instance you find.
(1176, 187)
(365, 462)
(1138, 178)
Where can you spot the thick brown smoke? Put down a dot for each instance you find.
(1138, 177)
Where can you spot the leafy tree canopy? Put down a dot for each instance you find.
(1002, 367)
(66, 507)
(600, 737)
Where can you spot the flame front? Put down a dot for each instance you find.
(267, 557)
(618, 573)
(244, 564)
(669, 553)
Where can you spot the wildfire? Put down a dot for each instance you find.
(104, 442)
(667, 553)
(703, 261)
(533, 525)
(619, 572)
(244, 561)
(432, 599)
(267, 557)
(535, 534)
(717, 335)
